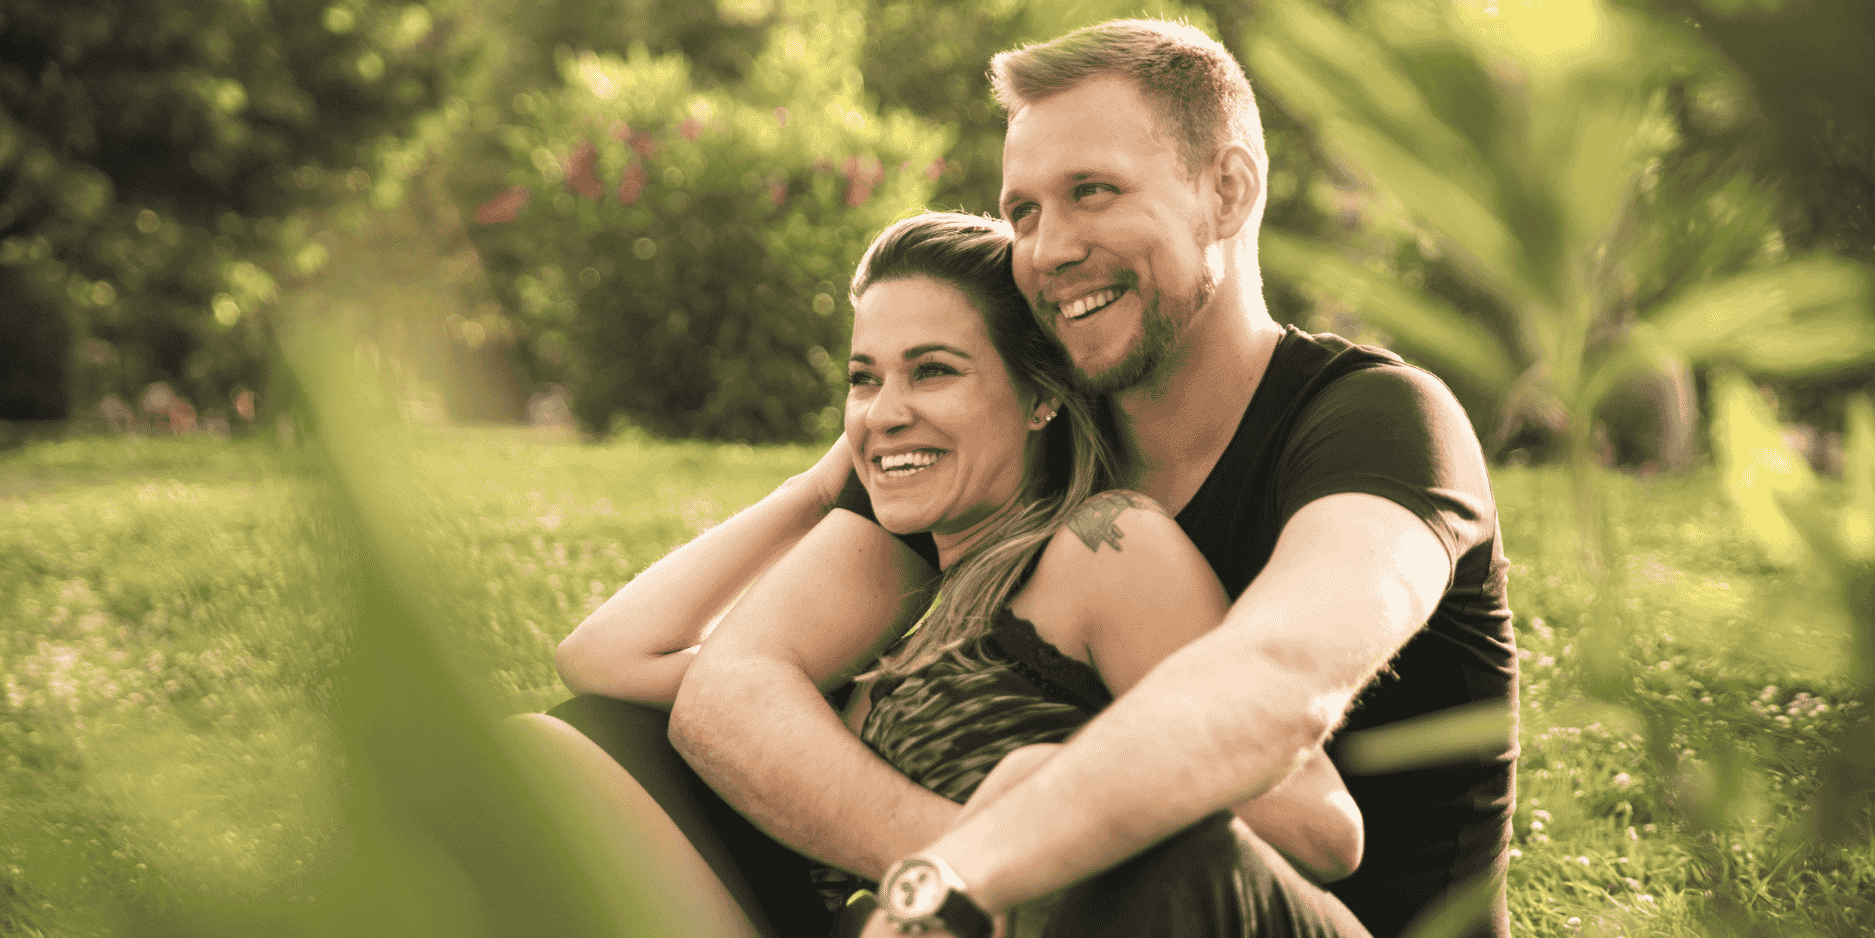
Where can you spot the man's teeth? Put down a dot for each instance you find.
(907, 463)
(1088, 304)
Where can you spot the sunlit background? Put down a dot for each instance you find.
(350, 353)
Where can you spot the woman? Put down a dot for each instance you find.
(1058, 592)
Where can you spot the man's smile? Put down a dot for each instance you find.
(1091, 303)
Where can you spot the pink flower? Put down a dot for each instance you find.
(777, 191)
(781, 116)
(632, 183)
(621, 132)
(861, 176)
(935, 170)
(580, 171)
(645, 146)
(504, 207)
(691, 128)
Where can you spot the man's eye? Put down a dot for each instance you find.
(1020, 211)
(1086, 189)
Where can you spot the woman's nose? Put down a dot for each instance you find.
(891, 409)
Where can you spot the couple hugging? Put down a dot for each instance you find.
(1069, 631)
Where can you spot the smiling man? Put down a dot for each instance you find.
(1339, 494)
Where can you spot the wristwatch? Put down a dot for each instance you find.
(921, 893)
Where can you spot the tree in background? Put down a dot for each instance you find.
(159, 163)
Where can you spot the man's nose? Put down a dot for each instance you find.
(1058, 244)
(891, 409)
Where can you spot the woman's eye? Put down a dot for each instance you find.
(933, 369)
(858, 378)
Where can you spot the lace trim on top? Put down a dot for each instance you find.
(1059, 677)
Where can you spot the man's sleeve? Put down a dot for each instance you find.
(1397, 432)
(853, 498)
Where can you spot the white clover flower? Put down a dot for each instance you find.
(1622, 780)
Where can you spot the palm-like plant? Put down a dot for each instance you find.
(1523, 142)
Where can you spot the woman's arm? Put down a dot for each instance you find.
(639, 644)
(1122, 587)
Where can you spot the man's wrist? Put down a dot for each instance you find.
(921, 893)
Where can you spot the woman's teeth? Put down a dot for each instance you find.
(904, 464)
(1089, 303)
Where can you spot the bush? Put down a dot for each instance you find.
(680, 256)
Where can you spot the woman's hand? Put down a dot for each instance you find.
(826, 479)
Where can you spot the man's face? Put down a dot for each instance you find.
(1109, 247)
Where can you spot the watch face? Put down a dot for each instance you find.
(916, 891)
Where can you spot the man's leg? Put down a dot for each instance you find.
(1213, 878)
(767, 879)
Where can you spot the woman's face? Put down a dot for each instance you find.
(936, 425)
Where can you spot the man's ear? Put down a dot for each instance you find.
(1238, 183)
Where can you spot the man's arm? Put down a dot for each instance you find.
(638, 645)
(750, 719)
(1224, 719)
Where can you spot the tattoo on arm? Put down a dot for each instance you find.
(1095, 523)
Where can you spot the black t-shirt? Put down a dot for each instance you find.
(1330, 417)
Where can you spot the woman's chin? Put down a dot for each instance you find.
(899, 522)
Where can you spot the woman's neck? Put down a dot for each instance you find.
(952, 546)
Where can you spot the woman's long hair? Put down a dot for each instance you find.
(1080, 455)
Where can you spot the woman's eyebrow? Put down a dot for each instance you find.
(918, 350)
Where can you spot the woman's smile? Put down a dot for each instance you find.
(906, 465)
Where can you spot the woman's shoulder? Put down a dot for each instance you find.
(1107, 544)
(1117, 558)
(1107, 519)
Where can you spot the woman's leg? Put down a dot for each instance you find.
(623, 813)
(769, 881)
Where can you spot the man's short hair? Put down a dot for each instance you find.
(1202, 95)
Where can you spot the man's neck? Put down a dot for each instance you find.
(1180, 426)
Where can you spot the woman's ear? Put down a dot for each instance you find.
(1043, 413)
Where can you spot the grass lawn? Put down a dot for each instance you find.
(169, 636)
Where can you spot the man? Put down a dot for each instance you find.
(1340, 495)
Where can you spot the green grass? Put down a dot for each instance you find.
(168, 634)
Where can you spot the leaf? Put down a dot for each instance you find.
(1419, 323)
(1759, 471)
(1727, 315)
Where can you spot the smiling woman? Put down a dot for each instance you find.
(939, 431)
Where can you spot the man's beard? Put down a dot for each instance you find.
(1147, 361)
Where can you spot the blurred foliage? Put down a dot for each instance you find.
(159, 163)
(1532, 150)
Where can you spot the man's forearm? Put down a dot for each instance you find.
(821, 792)
(1107, 795)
